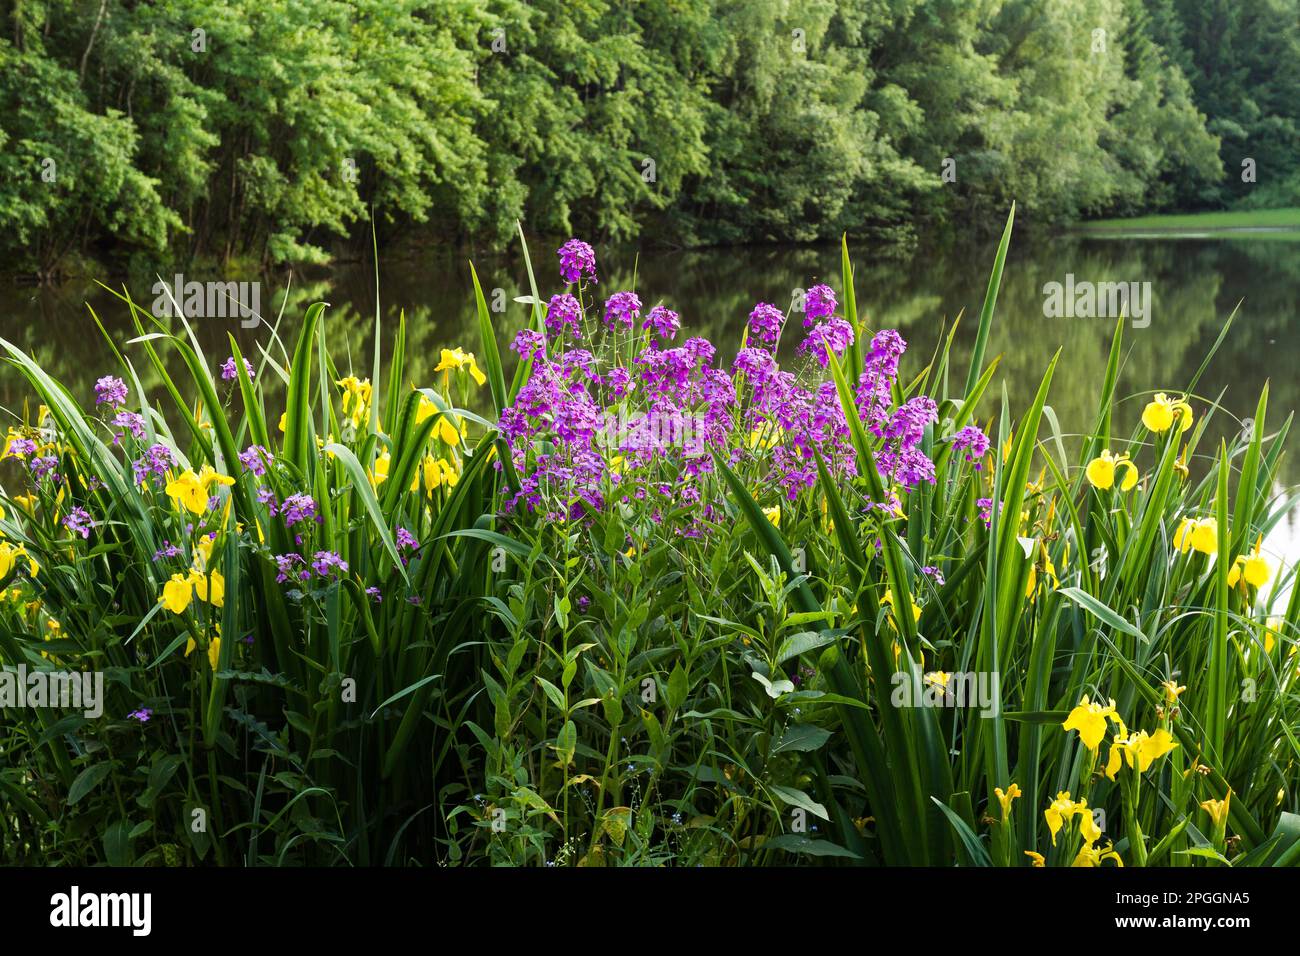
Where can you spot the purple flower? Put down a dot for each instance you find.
(529, 343)
(21, 447)
(78, 521)
(129, 422)
(142, 715)
(563, 312)
(375, 595)
(154, 462)
(834, 334)
(406, 542)
(228, 371)
(765, 322)
(819, 303)
(298, 508)
(168, 550)
(973, 442)
(622, 308)
(289, 565)
(664, 321)
(254, 458)
(931, 571)
(619, 381)
(41, 467)
(326, 561)
(576, 259)
(110, 391)
(985, 506)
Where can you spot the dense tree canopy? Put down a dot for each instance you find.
(273, 128)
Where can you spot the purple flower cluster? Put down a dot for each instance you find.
(228, 370)
(576, 260)
(665, 322)
(819, 303)
(833, 335)
(589, 428)
(564, 313)
(254, 458)
(622, 308)
(326, 562)
(297, 508)
(973, 442)
(765, 322)
(128, 422)
(291, 566)
(529, 343)
(44, 467)
(78, 521)
(110, 391)
(294, 567)
(155, 461)
(22, 447)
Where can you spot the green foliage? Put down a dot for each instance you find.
(276, 129)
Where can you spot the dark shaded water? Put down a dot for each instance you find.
(1194, 283)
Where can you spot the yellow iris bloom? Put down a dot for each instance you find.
(1101, 471)
(357, 393)
(888, 601)
(193, 491)
(1202, 534)
(1089, 719)
(459, 358)
(1061, 810)
(1161, 412)
(177, 594)
(1253, 567)
(1140, 750)
(1218, 809)
(1005, 799)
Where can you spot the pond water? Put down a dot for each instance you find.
(1194, 284)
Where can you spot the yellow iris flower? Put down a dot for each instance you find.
(446, 430)
(1160, 413)
(1101, 471)
(1092, 856)
(459, 358)
(1218, 809)
(1253, 567)
(193, 491)
(1140, 750)
(1061, 810)
(1005, 799)
(773, 515)
(177, 594)
(180, 590)
(1202, 534)
(1089, 719)
(8, 558)
(436, 472)
(888, 601)
(357, 393)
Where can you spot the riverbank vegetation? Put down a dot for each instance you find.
(669, 602)
(273, 132)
